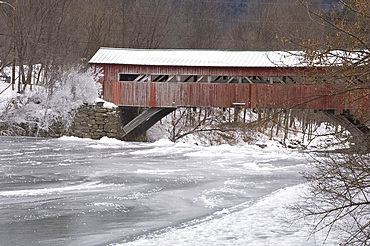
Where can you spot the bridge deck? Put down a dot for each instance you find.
(177, 94)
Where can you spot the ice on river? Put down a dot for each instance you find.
(71, 191)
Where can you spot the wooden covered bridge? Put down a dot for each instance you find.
(163, 80)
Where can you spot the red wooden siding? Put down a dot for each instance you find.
(172, 94)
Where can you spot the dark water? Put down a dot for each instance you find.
(84, 192)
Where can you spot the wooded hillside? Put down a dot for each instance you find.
(57, 32)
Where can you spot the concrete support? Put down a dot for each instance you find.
(127, 114)
(136, 121)
(360, 132)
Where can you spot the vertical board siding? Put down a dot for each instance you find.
(177, 94)
(117, 93)
(108, 91)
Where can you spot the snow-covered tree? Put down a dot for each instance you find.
(56, 102)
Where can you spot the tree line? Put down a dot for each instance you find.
(55, 33)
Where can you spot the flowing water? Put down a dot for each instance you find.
(84, 192)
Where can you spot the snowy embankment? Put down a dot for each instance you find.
(324, 137)
(270, 221)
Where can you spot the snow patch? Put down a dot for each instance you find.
(39, 192)
(106, 104)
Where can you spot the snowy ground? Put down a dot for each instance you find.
(267, 222)
(6, 94)
(323, 138)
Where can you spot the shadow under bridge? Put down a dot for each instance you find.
(136, 121)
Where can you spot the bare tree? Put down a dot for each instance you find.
(254, 30)
(214, 125)
(6, 39)
(43, 37)
(202, 24)
(340, 185)
(275, 25)
(340, 198)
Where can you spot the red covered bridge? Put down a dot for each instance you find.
(211, 78)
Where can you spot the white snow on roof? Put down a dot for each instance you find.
(198, 58)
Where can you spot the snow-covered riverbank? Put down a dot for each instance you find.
(269, 221)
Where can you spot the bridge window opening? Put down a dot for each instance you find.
(292, 80)
(161, 78)
(127, 77)
(200, 79)
(230, 80)
(188, 78)
(218, 78)
(158, 78)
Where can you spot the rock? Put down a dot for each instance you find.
(110, 127)
(100, 104)
(262, 146)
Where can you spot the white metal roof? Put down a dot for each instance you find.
(198, 58)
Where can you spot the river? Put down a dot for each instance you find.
(72, 191)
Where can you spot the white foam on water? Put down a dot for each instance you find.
(160, 171)
(44, 191)
(70, 138)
